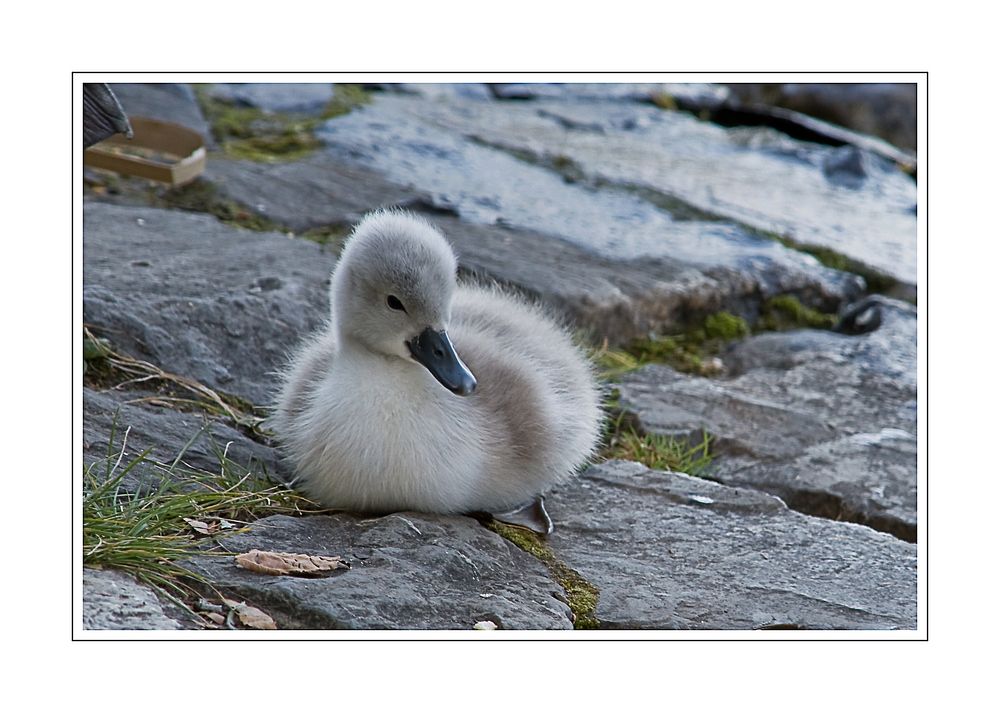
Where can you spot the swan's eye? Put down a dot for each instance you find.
(394, 303)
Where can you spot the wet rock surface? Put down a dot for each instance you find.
(528, 196)
(476, 157)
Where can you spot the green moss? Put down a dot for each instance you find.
(785, 312)
(723, 325)
(268, 137)
(689, 351)
(346, 98)
(581, 594)
(288, 146)
(333, 236)
(201, 196)
(231, 122)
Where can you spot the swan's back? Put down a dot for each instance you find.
(536, 389)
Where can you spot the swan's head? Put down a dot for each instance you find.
(391, 294)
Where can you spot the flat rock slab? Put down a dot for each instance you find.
(408, 571)
(201, 299)
(616, 298)
(316, 191)
(464, 152)
(828, 422)
(669, 551)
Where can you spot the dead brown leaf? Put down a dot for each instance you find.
(217, 618)
(250, 616)
(278, 563)
(205, 528)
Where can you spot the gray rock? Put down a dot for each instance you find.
(438, 92)
(305, 98)
(464, 154)
(868, 478)
(890, 350)
(317, 191)
(705, 94)
(668, 551)
(168, 432)
(201, 299)
(825, 421)
(113, 600)
(408, 571)
(617, 299)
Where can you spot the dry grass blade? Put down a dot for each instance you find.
(145, 371)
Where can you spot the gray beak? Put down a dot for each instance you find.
(436, 352)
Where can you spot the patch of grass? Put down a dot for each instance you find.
(146, 532)
(658, 451)
(612, 363)
(290, 145)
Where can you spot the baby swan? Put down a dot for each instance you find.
(423, 394)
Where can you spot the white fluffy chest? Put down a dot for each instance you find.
(383, 434)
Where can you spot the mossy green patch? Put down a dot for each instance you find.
(581, 594)
(201, 196)
(332, 236)
(689, 351)
(288, 146)
(346, 98)
(693, 350)
(723, 325)
(784, 312)
(268, 137)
